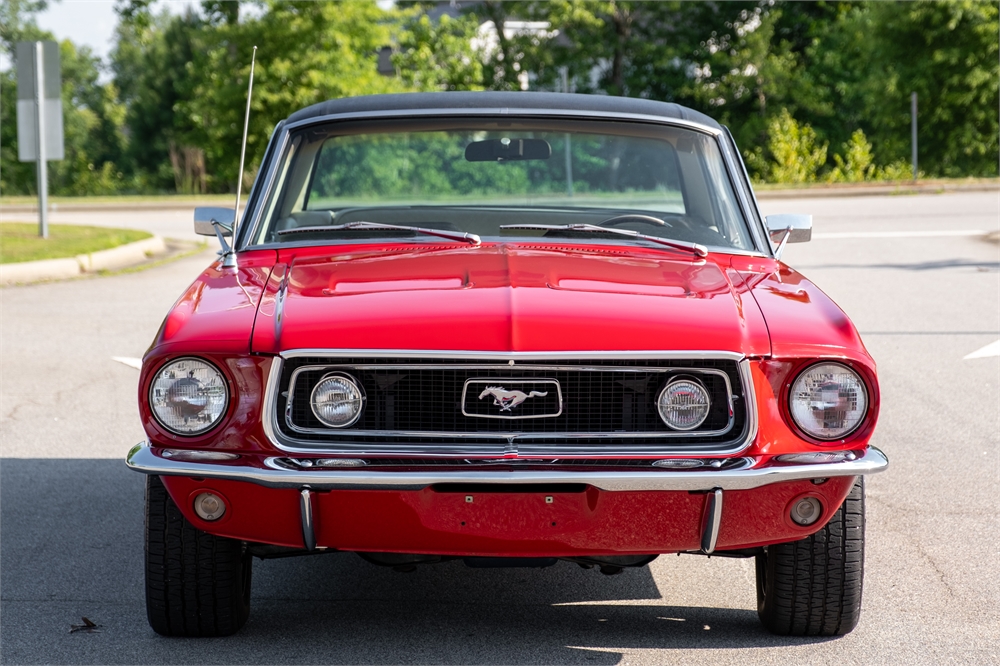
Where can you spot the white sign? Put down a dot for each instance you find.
(27, 100)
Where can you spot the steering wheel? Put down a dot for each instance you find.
(634, 217)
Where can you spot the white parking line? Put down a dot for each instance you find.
(899, 234)
(992, 349)
(129, 361)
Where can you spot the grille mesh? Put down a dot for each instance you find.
(599, 398)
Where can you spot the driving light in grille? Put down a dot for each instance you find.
(188, 396)
(828, 401)
(683, 404)
(337, 400)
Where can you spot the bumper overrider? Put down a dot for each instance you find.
(562, 512)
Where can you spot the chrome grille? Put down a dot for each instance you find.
(414, 403)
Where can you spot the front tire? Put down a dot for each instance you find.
(813, 587)
(197, 584)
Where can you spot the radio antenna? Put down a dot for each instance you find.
(231, 258)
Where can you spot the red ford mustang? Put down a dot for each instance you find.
(511, 328)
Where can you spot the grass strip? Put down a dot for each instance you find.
(19, 241)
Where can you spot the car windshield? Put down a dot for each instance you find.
(500, 179)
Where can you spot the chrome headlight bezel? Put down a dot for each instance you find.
(863, 411)
(360, 400)
(699, 388)
(222, 406)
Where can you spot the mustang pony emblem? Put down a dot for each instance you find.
(507, 400)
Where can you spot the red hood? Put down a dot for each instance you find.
(508, 297)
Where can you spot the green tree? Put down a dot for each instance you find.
(857, 162)
(439, 56)
(184, 79)
(946, 52)
(616, 47)
(92, 117)
(789, 78)
(794, 154)
(152, 65)
(307, 52)
(17, 22)
(865, 61)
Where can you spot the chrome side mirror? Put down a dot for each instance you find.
(798, 227)
(206, 218)
(788, 229)
(218, 222)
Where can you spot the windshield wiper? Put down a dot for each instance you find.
(473, 239)
(695, 248)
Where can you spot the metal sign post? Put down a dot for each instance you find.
(43, 167)
(913, 133)
(39, 115)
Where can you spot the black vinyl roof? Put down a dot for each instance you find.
(503, 100)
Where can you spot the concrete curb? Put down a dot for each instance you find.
(121, 256)
(27, 272)
(38, 271)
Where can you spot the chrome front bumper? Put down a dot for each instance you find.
(142, 458)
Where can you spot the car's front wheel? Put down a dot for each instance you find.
(813, 587)
(197, 584)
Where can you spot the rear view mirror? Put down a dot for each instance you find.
(798, 227)
(508, 150)
(204, 216)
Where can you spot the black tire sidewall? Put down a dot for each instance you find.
(197, 584)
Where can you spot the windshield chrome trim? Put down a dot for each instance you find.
(260, 184)
(748, 219)
(270, 176)
(288, 128)
(523, 446)
(503, 111)
(755, 219)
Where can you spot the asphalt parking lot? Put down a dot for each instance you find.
(914, 273)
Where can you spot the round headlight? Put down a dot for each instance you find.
(828, 401)
(337, 400)
(188, 396)
(683, 404)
